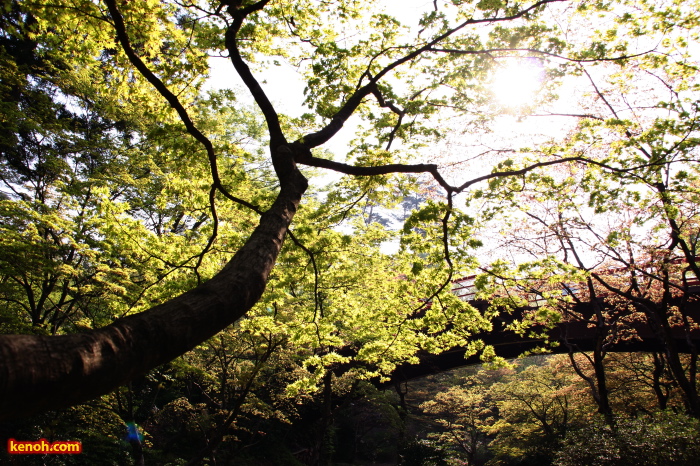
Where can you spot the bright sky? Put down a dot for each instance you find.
(514, 85)
(285, 87)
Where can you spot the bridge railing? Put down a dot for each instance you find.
(465, 288)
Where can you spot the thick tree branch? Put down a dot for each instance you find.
(39, 373)
(432, 169)
(271, 118)
(379, 169)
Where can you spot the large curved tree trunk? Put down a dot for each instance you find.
(42, 372)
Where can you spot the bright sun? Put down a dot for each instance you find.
(516, 83)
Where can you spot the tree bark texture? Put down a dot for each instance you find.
(39, 373)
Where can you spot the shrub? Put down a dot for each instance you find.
(660, 439)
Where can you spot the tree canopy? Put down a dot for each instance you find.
(143, 213)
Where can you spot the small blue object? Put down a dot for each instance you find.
(133, 432)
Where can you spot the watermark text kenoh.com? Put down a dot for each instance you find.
(43, 447)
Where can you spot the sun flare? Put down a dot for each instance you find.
(516, 83)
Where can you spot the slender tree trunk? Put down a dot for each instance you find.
(136, 446)
(686, 383)
(321, 454)
(689, 387)
(402, 409)
(659, 367)
(134, 433)
(323, 438)
(598, 383)
(603, 400)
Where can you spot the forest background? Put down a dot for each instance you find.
(182, 281)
